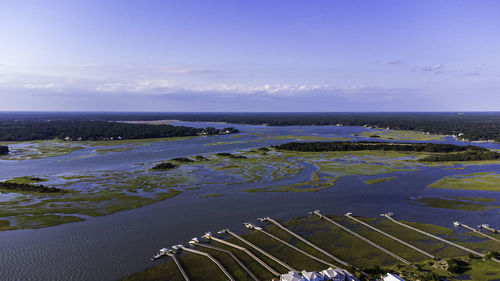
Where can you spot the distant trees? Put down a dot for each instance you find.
(463, 156)
(384, 146)
(4, 150)
(164, 166)
(96, 130)
(12, 186)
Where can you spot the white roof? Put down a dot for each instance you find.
(291, 276)
(392, 277)
(330, 273)
(311, 275)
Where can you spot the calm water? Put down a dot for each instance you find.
(110, 247)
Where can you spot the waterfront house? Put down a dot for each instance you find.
(291, 276)
(392, 277)
(312, 276)
(334, 274)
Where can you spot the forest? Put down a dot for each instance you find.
(4, 150)
(96, 130)
(444, 152)
(12, 186)
(384, 146)
(473, 126)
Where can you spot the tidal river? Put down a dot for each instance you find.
(112, 246)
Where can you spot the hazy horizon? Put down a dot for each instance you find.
(250, 56)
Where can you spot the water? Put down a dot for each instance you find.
(110, 247)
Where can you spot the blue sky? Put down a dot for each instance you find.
(254, 55)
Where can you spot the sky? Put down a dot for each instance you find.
(255, 55)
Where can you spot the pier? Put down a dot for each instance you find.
(181, 247)
(209, 236)
(349, 215)
(177, 263)
(488, 227)
(305, 241)
(363, 238)
(260, 229)
(280, 262)
(196, 242)
(456, 223)
(389, 216)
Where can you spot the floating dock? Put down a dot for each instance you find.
(457, 224)
(488, 227)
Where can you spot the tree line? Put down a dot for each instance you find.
(474, 126)
(4, 150)
(12, 186)
(383, 146)
(97, 130)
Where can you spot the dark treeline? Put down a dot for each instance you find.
(164, 166)
(464, 156)
(384, 146)
(12, 186)
(473, 126)
(4, 150)
(446, 152)
(96, 130)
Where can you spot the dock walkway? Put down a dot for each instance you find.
(392, 237)
(389, 216)
(232, 256)
(172, 255)
(260, 229)
(306, 241)
(245, 250)
(477, 231)
(390, 253)
(280, 262)
(211, 258)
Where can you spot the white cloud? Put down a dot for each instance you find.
(40, 86)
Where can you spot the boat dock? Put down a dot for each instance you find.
(305, 241)
(209, 236)
(260, 229)
(171, 254)
(181, 247)
(389, 216)
(457, 224)
(196, 242)
(278, 261)
(349, 215)
(403, 260)
(488, 227)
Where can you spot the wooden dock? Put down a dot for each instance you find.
(389, 216)
(248, 271)
(229, 277)
(280, 262)
(260, 229)
(349, 215)
(209, 236)
(306, 241)
(390, 253)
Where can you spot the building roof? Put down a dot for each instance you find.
(311, 275)
(392, 277)
(291, 276)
